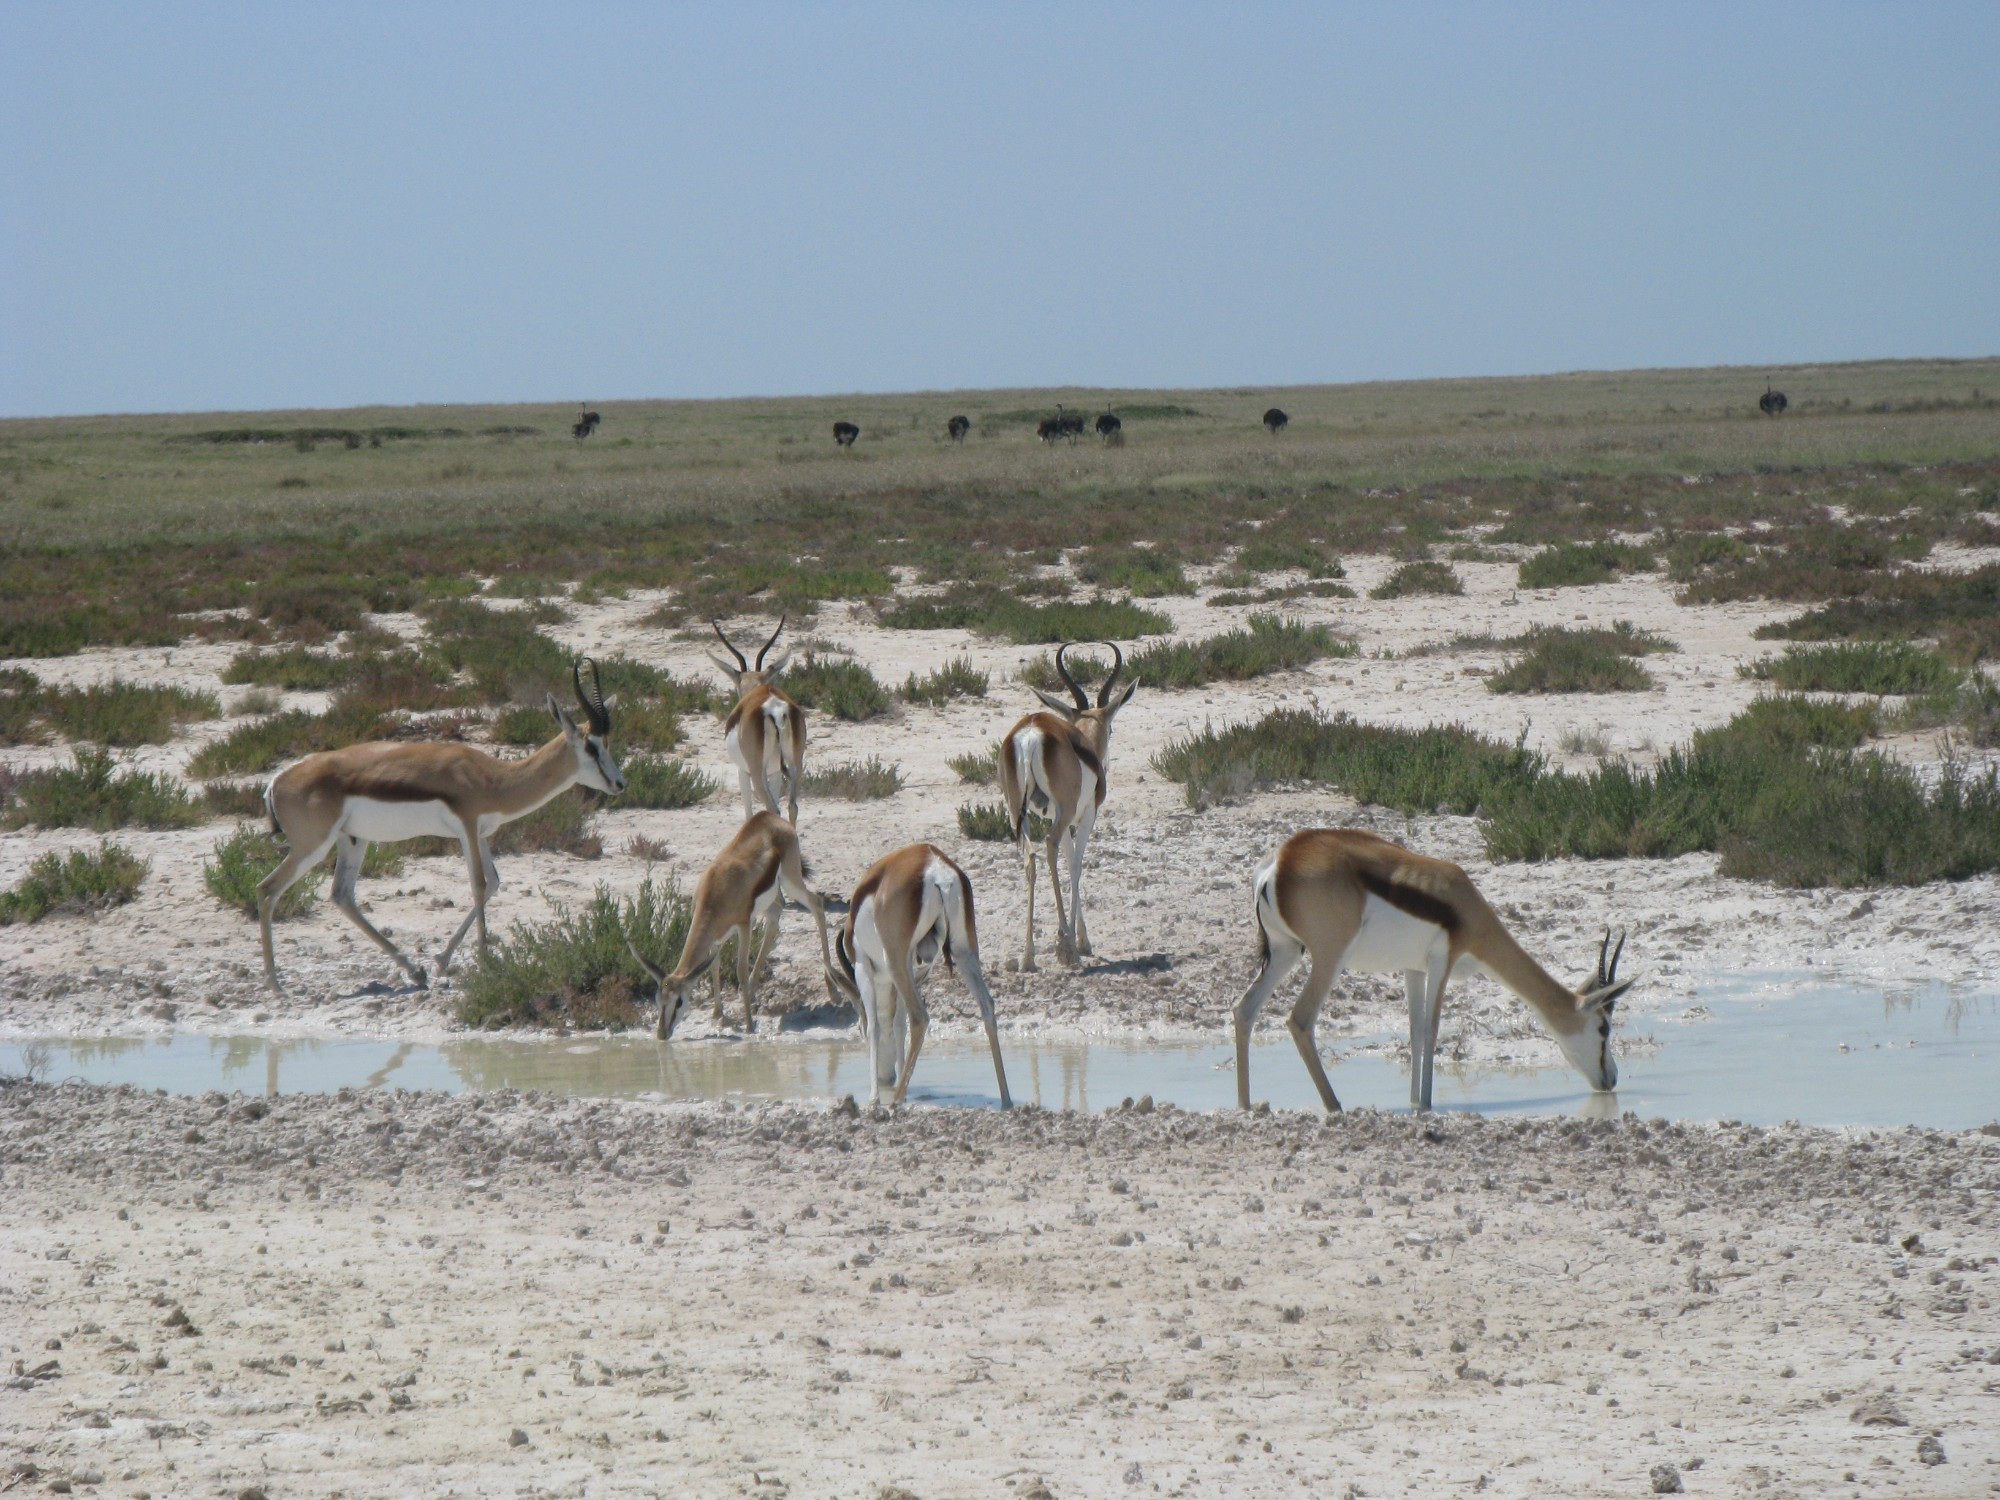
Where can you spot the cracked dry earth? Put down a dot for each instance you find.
(387, 1293)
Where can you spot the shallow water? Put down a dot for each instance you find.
(1825, 1055)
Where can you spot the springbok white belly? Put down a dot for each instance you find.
(1391, 941)
(389, 822)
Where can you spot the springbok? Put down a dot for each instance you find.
(1052, 764)
(1772, 403)
(909, 907)
(957, 428)
(844, 434)
(1362, 905)
(385, 792)
(766, 731)
(1275, 421)
(737, 896)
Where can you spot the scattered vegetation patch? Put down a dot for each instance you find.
(93, 792)
(957, 678)
(1960, 611)
(1144, 572)
(124, 713)
(296, 669)
(990, 612)
(242, 860)
(985, 821)
(20, 705)
(836, 685)
(977, 769)
(1269, 553)
(264, 744)
(1424, 576)
(854, 780)
(1813, 558)
(506, 659)
(233, 799)
(574, 971)
(662, 781)
(1879, 667)
(1229, 597)
(560, 825)
(85, 880)
(1570, 564)
(1266, 644)
(1579, 661)
(1972, 708)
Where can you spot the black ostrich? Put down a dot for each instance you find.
(586, 423)
(1275, 420)
(1106, 425)
(1772, 403)
(957, 428)
(844, 433)
(1049, 429)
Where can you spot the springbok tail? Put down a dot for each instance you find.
(1027, 748)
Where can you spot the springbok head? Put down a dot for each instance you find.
(671, 990)
(587, 742)
(1081, 711)
(1589, 1046)
(742, 674)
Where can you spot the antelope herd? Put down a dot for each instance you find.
(1347, 900)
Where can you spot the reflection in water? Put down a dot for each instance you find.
(1925, 1057)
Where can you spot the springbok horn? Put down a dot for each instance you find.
(772, 641)
(1611, 969)
(1117, 665)
(592, 701)
(742, 662)
(1062, 671)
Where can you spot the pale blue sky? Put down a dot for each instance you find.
(217, 207)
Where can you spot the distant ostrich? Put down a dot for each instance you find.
(957, 428)
(1772, 403)
(1049, 429)
(844, 433)
(1107, 425)
(586, 423)
(1275, 420)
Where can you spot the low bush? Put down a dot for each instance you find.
(1808, 561)
(990, 612)
(20, 708)
(1879, 667)
(502, 653)
(957, 678)
(265, 744)
(1421, 577)
(1972, 708)
(637, 723)
(1268, 553)
(854, 780)
(125, 713)
(985, 821)
(233, 799)
(560, 825)
(1231, 597)
(1961, 611)
(85, 880)
(575, 970)
(296, 669)
(1577, 661)
(977, 768)
(1144, 572)
(1086, 667)
(242, 860)
(92, 792)
(1266, 644)
(1569, 564)
(839, 686)
(660, 781)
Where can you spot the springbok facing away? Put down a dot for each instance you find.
(844, 434)
(766, 731)
(957, 428)
(385, 792)
(737, 896)
(1771, 403)
(1275, 421)
(586, 423)
(1107, 424)
(1362, 905)
(1053, 764)
(908, 908)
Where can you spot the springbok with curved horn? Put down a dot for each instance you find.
(766, 731)
(385, 792)
(1052, 764)
(910, 907)
(1360, 904)
(737, 896)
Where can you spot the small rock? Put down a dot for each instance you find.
(250, 1492)
(1880, 1412)
(1666, 1479)
(847, 1108)
(1135, 1474)
(1930, 1450)
(517, 1439)
(1121, 1239)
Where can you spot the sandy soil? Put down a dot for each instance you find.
(384, 1293)
(1166, 887)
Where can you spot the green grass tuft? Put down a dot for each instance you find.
(1569, 564)
(1268, 553)
(265, 744)
(1421, 577)
(1266, 644)
(1014, 619)
(977, 768)
(957, 678)
(1561, 660)
(1961, 611)
(1143, 572)
(985, 821)
(242, 860)
(86, 880)
(854, 780)
(93, 793)
(1879, 667)
(660, 781)
(125, 713)
(836, 685)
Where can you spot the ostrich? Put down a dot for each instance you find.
(844, 433)
(1772, 403)
(957, 428)
(1275, 420)
(586, 423)
(1108, 425)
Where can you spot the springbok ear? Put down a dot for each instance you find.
(729, 669)
(1061, 706)
(1126, 696)
(562, 717)
(1606, 999)
(778, 664)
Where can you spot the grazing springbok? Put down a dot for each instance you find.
(910, 907)
(738, 896)
(766, 731)
(586, 423)
(385, 792)
(1052, 764)
(1275, 421)
(957, 428)
(1772, 403)
(1107, 424)
(844, 434)
(1359, 904)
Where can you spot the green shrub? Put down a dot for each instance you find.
(1087, 667)
(1266, 644)
(507, 659)
(1229, 598)
(293, 668)
(1436, 769)
(1268, 553)
(1877, 667)
(20, 708)
(1575, 661)
(637, 723)
(1568, 564)
(233, 799)
(985, 821)
(957, 678)
(575, 970)
(1972, 708)
(560, 825)
(125, 713)
(836, 685)
(1961, 611)
(242, 860)
(92, 793)
(1015, 619)
(83, 881)
(1421, 577)
(976, 768)
(854, 780)
(265, 744)
(1144, 572)
(662, 781)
